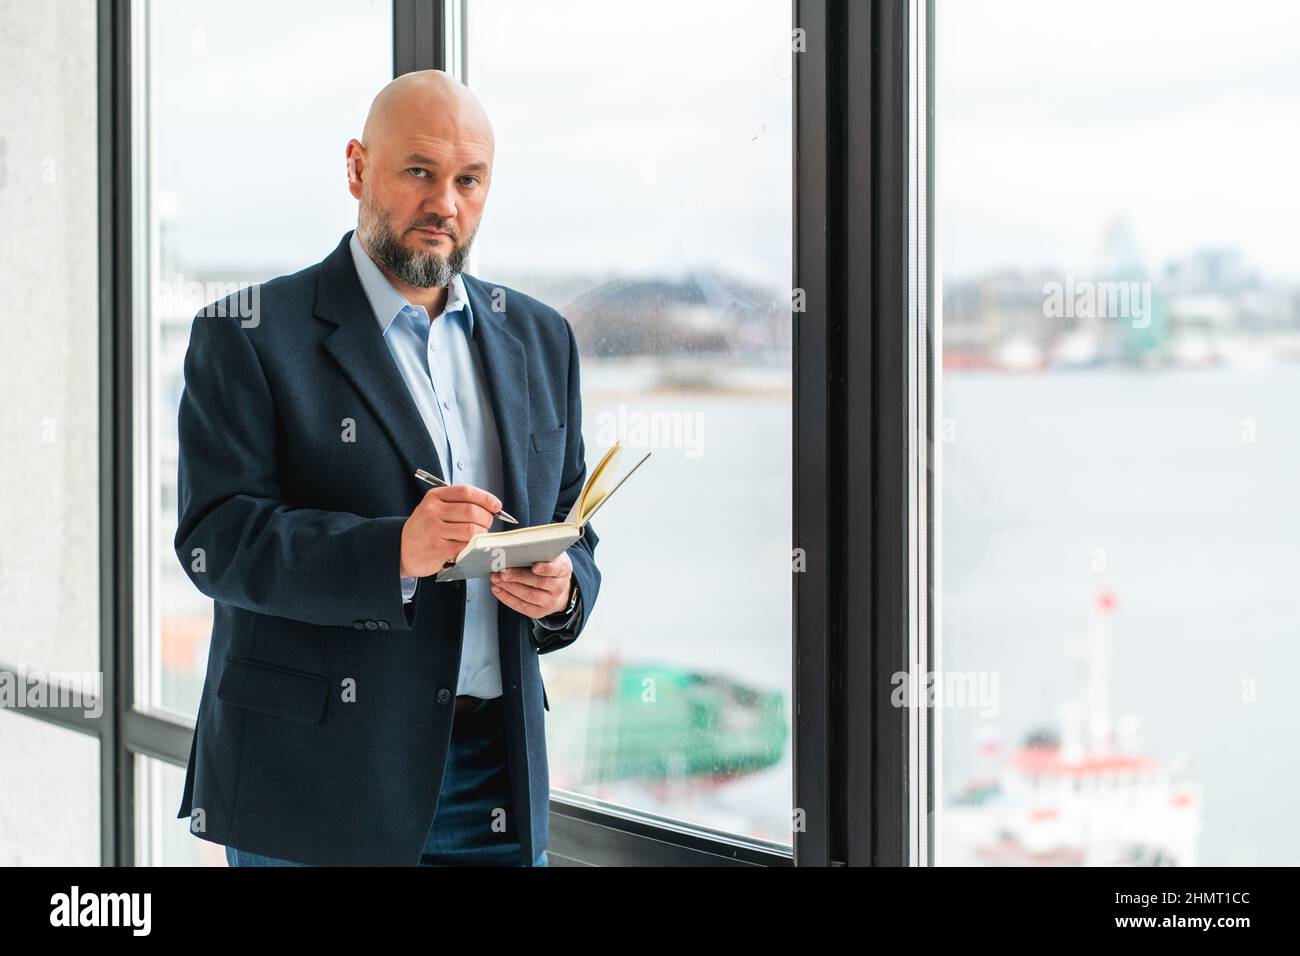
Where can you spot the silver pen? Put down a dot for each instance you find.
(430, 478)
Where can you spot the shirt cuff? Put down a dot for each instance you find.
(408, 589)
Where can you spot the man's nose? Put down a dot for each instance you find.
(442, 203)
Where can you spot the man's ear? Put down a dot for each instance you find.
(354, 174)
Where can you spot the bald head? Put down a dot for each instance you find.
(428, 99)
(421, 177)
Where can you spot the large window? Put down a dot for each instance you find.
(673, 211)
(239, 142)
(1026, 432)
(241, 113)
(642, 186)
(1120, 370)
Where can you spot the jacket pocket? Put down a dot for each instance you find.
(548, 438)
(271, 689)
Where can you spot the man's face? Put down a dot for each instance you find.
(420, 205)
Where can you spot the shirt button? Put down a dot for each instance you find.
(446, 404)
(461, 464)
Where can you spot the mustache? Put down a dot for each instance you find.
(435, 226)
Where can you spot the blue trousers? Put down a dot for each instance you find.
(475, 823)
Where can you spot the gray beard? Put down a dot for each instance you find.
(424, 270)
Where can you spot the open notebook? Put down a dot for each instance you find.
(492, 551)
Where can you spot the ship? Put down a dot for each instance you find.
(1080, 793)
(612, 720)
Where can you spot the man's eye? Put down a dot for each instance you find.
(472, 179)
(416, 169)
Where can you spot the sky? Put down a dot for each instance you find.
(654, 140)
(1054, 118)
(641, 139)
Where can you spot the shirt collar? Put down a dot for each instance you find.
(388, 302)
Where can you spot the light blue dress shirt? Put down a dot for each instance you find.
(440, 364)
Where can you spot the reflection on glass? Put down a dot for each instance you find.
(240, 173)
(642, 187)
(1121, 367)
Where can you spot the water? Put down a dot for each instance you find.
(1150, 484)
(695, 558)
(1185, 481)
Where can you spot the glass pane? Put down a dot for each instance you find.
(161, 838)
(1120, 528)
(49, 794)
(49, 337)
(232, 193)
(642, 187)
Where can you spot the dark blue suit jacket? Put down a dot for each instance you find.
(327, 705)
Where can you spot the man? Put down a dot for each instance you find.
(355, 711)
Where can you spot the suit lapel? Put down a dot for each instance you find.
(506, 373)
(357, 344)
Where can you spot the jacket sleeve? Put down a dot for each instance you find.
(581, 552)
(236, 539)
(557, 622)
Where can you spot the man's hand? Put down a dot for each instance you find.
(537, 591)
(442, 524)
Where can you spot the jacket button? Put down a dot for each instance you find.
(383, 625)
(444, 695)
(371, 626)
(359, 625)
